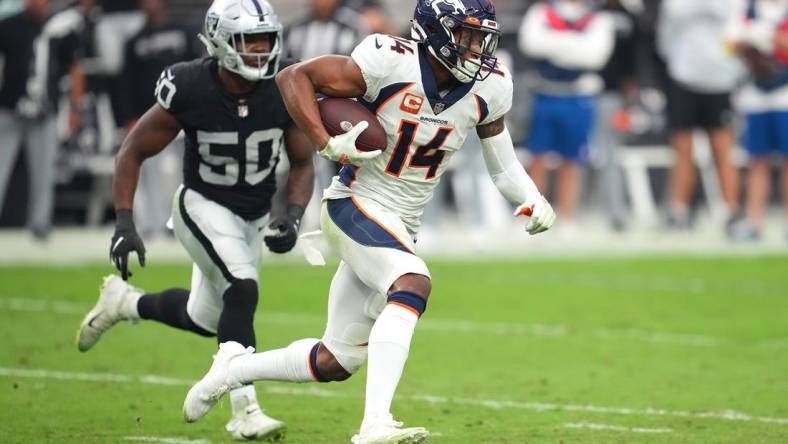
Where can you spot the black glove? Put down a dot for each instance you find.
(282, 234)
(124, 241)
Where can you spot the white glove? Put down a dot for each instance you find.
(342, 148)
(541, 215)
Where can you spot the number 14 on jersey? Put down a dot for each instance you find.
(427, 156)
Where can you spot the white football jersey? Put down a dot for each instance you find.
(424, 127)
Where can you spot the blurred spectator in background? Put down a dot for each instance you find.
(762, 42)
(620, 93)
(569, 41)
(373, 15)
(159, 44)
(702, 74)
(329, 28)
(36, 57)
(119, 21)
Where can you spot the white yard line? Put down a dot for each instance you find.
(727, 414)
(166, 439)
(429, 324)
(595, 426)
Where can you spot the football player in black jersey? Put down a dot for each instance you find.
(236, 128)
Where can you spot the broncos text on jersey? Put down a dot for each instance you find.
(425, 127)
(232, 142)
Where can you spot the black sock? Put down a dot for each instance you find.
(236, 322)
(169, 307)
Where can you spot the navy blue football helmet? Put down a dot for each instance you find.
(451, 28)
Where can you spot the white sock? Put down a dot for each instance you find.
(242, 397)
(389, 342)
(129, 306)
(284, 364)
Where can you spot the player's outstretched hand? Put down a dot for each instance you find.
(342, 148)
(541, 215)
(280, 236)
(124, 241)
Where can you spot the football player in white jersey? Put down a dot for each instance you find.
(427, 93)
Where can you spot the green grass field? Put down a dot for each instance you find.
(661, 350)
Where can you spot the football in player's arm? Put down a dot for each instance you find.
(236, 128)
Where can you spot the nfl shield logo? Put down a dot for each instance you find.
(243, 110)
(438, 108)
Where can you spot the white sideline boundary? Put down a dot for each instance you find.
(595, 426)
(725, 415)
(430, 324)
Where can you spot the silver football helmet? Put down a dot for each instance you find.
(227, 22)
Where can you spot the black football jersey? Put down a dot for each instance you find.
(232, 142)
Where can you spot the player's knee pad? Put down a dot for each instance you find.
(348, 357)
(241, 295)
(350, 347)
(411, 301)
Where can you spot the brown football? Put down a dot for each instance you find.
(339, 115)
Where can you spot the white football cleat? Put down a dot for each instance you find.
(388, 431)
(116, 302)
(253, 424)
(207, 391)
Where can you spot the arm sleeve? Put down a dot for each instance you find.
(370, 57)
(584, 50)
(501, 99)
(505, 169)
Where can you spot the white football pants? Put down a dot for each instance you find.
(224, 247)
